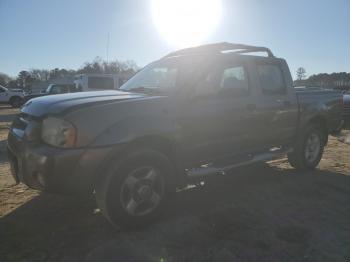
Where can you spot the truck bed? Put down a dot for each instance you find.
(328, 102)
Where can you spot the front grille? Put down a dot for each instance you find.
(21, 121)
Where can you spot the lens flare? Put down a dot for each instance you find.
(186, 22)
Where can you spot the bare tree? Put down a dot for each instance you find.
(301, 73)
(40, 74)
(104, 67)
(4, 79)
(22, 77)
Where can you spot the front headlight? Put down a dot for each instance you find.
(58, 132)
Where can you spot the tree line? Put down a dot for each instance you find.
(26, 78)
(334, 80)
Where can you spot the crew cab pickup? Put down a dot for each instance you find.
(52, 89)
(13, 97)
(196, 112)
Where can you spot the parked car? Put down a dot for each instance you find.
(53, 89)
(94, 82)
(196, 112)
(346, 112)
(13, 97)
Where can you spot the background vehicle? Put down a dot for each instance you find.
(196, 112)
(82, 83)
(346, 113)
(14, 97)
(53, 89)
(94, 82)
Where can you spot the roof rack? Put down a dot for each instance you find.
(223, 47)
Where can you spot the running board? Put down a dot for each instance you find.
(211, 169)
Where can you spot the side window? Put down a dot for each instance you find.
(101, 83)
(271, 79)
(2, 90)
(59, 89)
(55, 90)
(234, 79)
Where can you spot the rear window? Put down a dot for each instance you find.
(271, 79)
(101, 83)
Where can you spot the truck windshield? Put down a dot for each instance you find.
(161, 75)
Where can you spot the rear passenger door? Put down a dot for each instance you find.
(277, 107)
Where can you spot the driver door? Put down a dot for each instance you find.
(216, 121)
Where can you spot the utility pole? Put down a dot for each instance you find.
(107, 49)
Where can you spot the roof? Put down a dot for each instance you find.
(221, 48)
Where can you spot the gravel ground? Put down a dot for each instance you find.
(265, 212)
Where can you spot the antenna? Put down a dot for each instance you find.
(107, 48)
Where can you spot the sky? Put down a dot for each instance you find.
(66, 33)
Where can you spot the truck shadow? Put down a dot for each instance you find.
(259, 213)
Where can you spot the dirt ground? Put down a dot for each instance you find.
(266, 212)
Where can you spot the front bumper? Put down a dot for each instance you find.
(51, 169)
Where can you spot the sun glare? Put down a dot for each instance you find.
(186, 22)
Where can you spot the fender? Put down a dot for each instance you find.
(130, 129)
(311, 112)
(156, 132)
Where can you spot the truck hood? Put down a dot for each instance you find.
(57, 104)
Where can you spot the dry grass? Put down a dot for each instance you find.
(266, 212)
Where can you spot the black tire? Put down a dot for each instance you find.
(16, 101)
(298, 157)
(111, 190)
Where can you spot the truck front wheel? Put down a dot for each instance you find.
(309, 147)
(134, 191)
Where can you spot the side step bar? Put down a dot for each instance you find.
(211, 169)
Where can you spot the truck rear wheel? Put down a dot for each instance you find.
(308, 149)
(134, 192)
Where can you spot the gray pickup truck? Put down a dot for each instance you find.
(195, 112)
